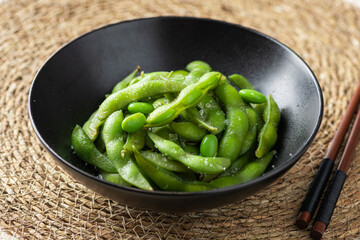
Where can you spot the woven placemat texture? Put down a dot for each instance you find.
(38, 200)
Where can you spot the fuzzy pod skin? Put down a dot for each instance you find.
(114, 178)
(164, 162)
(199, 164)
(135, 139)
(188, 131)
(240, 81)
(122, 98)
(87, 151)
(212, 113)
(167, 180)
(188, 97)
(193, 114)
(250, 138)
(237, 121)
(125, 82)
(268, 135)
(114, 141)
(197, 64)
(250, 171)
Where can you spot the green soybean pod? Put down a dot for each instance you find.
(114, 178)
(149, 143)
(250, 171)
(159, 102)
(212, 113)
(268, 135)
(121, 98)
(197, 64)
(99, 142)
(125, 165)
(188, 131)
(164, 162)
(237, 121)
(259, 108)
(167, 180)
(193, 114)
(167, 133)
(86, 150)
(140, 107)
(188, 97)
(179, 74)
(135, 139)
(133, 122)
(209, 146)
(191, 149)
(238, 164)
(125, 82)
(250, 137)
(199, 164)
(252, 96)
(240, 81)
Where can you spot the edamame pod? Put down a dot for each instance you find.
(237, 121)
(122, 98)
(99, 143)
(259, 108)
(197, 64)
(125, 82)
(167, 133)
(240, 81)
(196, 163)
(114, 178)
(192, 114)
(159, 102)
(250, 171)
(238, 164)
(181, 74)
(188, 131)
(164, 162)
(195, 75)
(252, 96)
(187, 98)
(135, 139)
(194, 150)
(212, 113)
(126, 167)
(87, 151)
(167, 180)
(268, 135)
(250, 137)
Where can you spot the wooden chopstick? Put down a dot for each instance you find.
(321, 178)
(327, 207)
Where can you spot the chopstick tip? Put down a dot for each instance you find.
(303, 219)
(318, 230)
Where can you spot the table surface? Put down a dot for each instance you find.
(38, 200)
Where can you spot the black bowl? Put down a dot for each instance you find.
(74, 81)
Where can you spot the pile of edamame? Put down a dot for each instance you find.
(184, 130)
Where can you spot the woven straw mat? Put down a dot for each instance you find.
(38, 200)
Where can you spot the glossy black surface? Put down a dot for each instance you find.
(74, 81)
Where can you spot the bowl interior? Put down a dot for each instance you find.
(74, 81)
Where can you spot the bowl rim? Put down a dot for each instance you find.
(268, 175)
